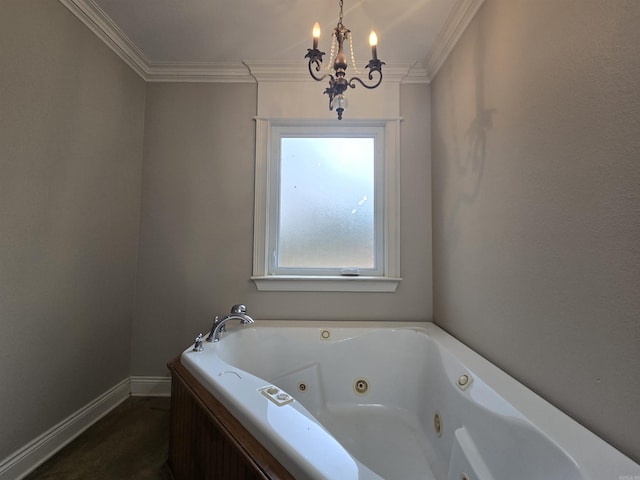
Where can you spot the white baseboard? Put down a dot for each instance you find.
(150, 386)
(29, 457)
(19, 464)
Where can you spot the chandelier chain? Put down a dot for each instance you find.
(353, 59)
(332, 53)
(340, 21)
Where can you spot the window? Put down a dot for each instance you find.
(326, 213)
(324, 206)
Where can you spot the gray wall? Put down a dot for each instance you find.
(535, 201)
(71, 124)
(536, 218)
(196, 234)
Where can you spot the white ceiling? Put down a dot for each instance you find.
(162, 34)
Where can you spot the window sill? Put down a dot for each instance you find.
(298, 283)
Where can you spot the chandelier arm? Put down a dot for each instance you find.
(318, 79)
(361, 82)
(315, 59)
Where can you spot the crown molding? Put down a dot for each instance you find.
(458, 20)
(89, 13)
(416, 74)
(298, 71)
(214, 72)
(100, 24)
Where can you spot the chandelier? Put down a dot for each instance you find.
(338, 82)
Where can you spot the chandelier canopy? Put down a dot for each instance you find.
(338, 82)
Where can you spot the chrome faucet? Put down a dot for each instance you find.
(216, 321)
(238, 312)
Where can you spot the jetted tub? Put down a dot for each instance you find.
(398, 401)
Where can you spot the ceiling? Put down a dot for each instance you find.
(162, 36)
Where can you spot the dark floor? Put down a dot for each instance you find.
(131, 442)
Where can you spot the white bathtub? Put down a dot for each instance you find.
(361, 401)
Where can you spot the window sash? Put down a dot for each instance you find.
(275, 161)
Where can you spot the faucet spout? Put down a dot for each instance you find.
(238, 312)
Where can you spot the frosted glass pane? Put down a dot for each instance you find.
(326, 203)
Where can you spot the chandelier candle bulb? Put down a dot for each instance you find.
(373, 41)
(316, 34)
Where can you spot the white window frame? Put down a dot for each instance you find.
(269, 132)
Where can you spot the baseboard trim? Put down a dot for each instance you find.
(36, 452)
(150, 386)
(22, 462)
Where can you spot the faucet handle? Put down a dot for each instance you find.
(197, 346)
(239, 308)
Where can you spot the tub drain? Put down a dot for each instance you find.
(302, 387)
(361, 386)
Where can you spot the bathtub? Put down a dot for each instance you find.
(397, 401)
